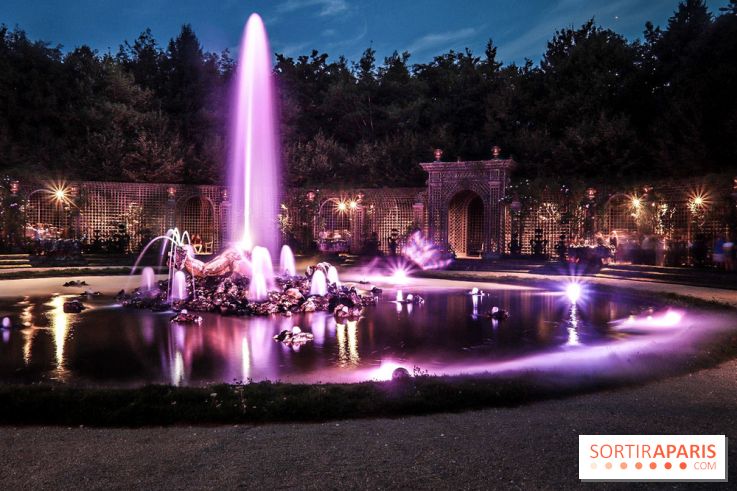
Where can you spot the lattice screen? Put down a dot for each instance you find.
(197, 216)
(46, 215)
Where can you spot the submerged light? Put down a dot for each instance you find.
(399, 276)
(573, 292)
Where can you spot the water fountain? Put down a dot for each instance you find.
(319, 284)
(147, 279)
(179, 286)
(262, 274)
(286, 261)
(254, 164)
(333, 276)
(240, 280)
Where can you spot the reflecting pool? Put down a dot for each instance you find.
(450, 333)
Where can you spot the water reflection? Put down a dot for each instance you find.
(347, 335)
(113, 345)
(573, 327)
(60, 328)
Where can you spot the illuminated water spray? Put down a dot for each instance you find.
(254, 163)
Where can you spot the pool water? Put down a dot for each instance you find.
(449, 333)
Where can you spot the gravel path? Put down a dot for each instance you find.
(529, 447)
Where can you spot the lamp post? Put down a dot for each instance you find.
(590, 212)
(515, 246)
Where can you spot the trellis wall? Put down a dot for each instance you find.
(356, 214)
(677, 214)
(673, 214)
(554, 214)
(102, 210)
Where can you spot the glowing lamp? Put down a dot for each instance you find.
(342, 206)
(353, 205)
(438, 154)
(573, 292)
(399, 276)
(14, 187)
(60, 194)
(496, 151)
(636, 203)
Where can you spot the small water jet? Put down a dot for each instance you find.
(286, 261)
(333, 276)
(178, 287)
(262, 274)
(319, 284)
(147, 279)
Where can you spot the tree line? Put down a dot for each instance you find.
(597, 107)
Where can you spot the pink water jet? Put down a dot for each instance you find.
(254, 163)
(262, 274)
(178, 287)
(286, 261)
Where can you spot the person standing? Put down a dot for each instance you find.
(717, 255)
(729, 252)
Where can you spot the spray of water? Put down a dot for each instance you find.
(147, 279)
(178, 289)
(333, 276)
(319, 284)
(286, 261)
(254, 162)
(262, 274)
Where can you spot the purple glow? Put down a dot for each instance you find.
(573, 292)
(384, 371)
(254, 148)
(424, 253)
(399, 276)
(658, 322)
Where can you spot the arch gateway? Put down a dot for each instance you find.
(464, 209)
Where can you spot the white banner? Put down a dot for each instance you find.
(652, 457)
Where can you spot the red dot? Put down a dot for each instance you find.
(623, 465)
(668, 465)
(683, 465)
(653, 465)
(638, 465)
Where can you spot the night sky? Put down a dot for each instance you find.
(425, 28)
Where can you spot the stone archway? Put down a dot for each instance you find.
(457, 191)
(466, 223)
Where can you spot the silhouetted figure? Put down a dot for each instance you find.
(393, 241)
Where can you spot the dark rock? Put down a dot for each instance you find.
(400, 374)
(73, 306)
